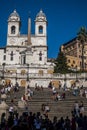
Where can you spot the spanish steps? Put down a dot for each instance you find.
(57, 108)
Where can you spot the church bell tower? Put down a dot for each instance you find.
(13, 27)
(40, 24)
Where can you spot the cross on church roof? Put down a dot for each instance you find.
(40, 54)
(11, 53)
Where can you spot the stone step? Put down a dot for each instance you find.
(59, 108)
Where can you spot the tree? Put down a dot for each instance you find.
(61, 64)
(82, 37)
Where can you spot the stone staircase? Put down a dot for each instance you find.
(16, 96)
(57, 108)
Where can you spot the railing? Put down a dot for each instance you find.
(54, 76)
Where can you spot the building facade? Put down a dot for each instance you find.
(25, 54)
(73, 52)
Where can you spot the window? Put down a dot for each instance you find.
(11, 56)
(73, 62)
(13, 29)
(4, 57)
(79, 50)
(5, 50)
(41, 29)
(40, 56)
(72, 65)
(79, 45)
(24, 60)
(68, 60)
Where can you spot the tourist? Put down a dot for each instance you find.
(76, 108)
(57, 97)
(73, 122)
(50, 85)
(3, 120)
(67, 124)
(86, 92)
(81, 107)
(47, 109)
(43, 107)
(11, 110)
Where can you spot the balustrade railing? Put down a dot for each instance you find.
(45, 75)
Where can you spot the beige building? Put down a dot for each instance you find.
(73, 52)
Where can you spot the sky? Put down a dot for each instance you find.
(65, 18)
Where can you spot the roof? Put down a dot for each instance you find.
(74, 39)
(40, 16)
(14, 15)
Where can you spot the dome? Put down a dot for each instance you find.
(40, 16)
(14, 16)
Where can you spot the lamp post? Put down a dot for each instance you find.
(27, 72)
(3, 70)
(16, 77)
(65, 81)
(76, 74)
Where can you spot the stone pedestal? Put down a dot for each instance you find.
(21, 104)
(3, 108)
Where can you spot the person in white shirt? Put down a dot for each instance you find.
(86, 93)
(47, 108)
(76, 108)
(11, 110)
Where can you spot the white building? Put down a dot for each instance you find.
(25, 55)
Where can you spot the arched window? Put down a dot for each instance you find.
(13, 28)
(23, 59)
(11, 56)
(40, 29)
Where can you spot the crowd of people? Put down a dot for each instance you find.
(38, 121)
(9, 88)
(56, 95)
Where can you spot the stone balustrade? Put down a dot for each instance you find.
(45, 75)
(43, 79)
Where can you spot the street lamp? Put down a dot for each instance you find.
(16, 76)
(3, 70)
(27, 72)
(65, 81)
(76, 75)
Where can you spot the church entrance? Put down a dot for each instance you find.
(7, 81)
(23, 83)
(56, 83)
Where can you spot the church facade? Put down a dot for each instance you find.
(25, 55)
